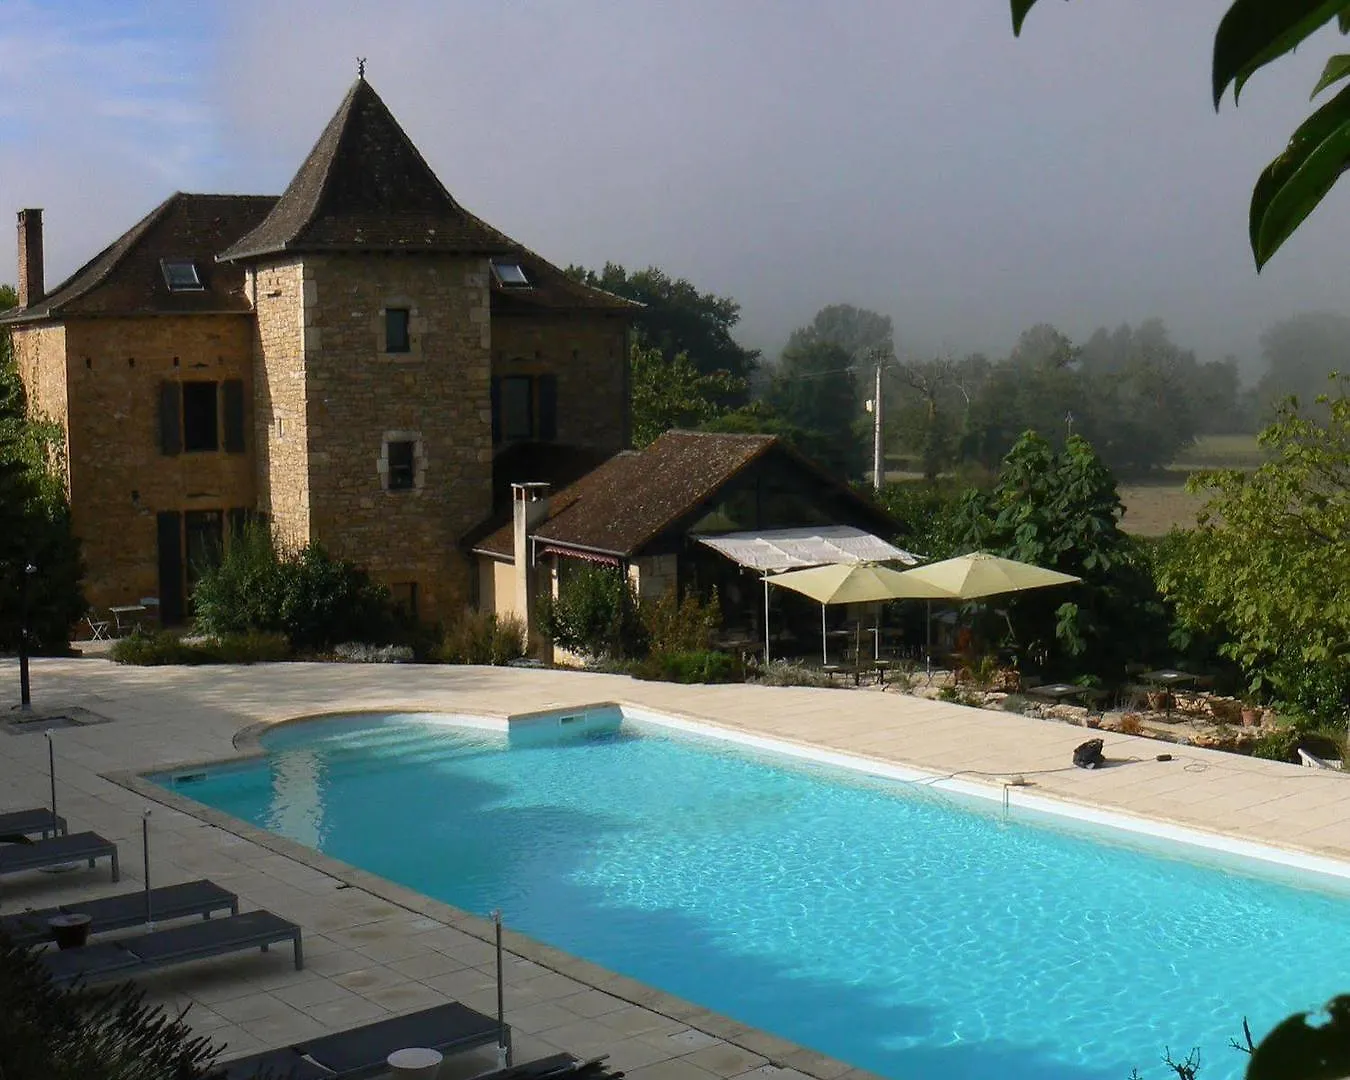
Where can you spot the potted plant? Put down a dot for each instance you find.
(1251, 711)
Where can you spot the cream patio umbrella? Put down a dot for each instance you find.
(853, 583)
(979, 574)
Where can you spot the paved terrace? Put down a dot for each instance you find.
(373, 948)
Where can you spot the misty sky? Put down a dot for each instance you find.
(910, 156)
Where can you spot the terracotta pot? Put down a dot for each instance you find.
(1158, 700)
(1250, 716)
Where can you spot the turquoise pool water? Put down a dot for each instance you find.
(882, 923)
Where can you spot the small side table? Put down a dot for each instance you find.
(414, 1063)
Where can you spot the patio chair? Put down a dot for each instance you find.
(98, 628)
(56, 851)
(125, 910)
(132, 956)
(363, 1051)
(39, 820)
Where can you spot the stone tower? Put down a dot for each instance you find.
(372, 365)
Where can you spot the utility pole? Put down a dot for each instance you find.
(25, 697)
(878, 431)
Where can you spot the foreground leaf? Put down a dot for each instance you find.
(1295, 182)
(1255, 32)
(1338, 67)
(1019, 13)
(1295, 1051)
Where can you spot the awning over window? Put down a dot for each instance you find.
(772, 550)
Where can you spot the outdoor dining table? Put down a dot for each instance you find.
(127, 617)
(1056, 691)
(1168, 679)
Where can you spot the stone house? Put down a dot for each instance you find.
(677, 515)
(360, 361)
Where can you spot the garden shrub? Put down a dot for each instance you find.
(357, 652)
(75, 1033)
(698, 666)
(307, 595)
(164, 647)
(790, 673)
(595, 614)
(1280, 744)
(154, 649)
(482, 637)
(674, 625)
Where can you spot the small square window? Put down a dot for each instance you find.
(509, 274)
(397, 322)
(181, 275)
(402, 457)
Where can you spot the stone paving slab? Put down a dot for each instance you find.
(374, 948)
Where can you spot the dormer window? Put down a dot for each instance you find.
(181, 275)
(510, 274)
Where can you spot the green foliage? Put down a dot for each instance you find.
(672, 393)
(814, 389)
(760, 418)
(690, 666)
(35, 525)
(1270, 562)
(929, 515)
(482, 637)
(678, 319)
(1252, 34)
(790, 673)
(679, 626)
(309, 596)
(75, 1033)
(1059, 509)
(1300, 353)
(860, 333)
(166, 648)
(595, 614)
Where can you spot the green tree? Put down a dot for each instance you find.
(35, 524)
(1252, 34)
(595, 614)
(1300, 353)
(1270, 561)
(859, 332)
(1060, 509)
(673, 393)
(676, 318)
(814, 389)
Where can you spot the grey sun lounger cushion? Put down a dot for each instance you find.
(363, 1051)
(125, 910)
(553, 1067)
(161, 948)
(37, 821)
(55, 850)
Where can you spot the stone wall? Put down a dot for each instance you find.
(119, 475)
(40, 355)
(280, 419)
(357, 398)
(652, 576)
(588, 354)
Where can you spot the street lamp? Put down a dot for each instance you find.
(25, 697)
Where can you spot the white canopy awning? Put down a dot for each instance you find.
(769, 551)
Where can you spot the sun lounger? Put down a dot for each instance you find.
(162, 948)
(363, 1051)
(29, 822)
(56, 850)
(555, 1067)
(127, 910)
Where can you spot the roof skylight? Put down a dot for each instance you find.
(181, 275)
(510, 274)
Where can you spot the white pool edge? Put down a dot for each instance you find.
(1015, 795)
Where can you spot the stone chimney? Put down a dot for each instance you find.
(31, 288)
(529, 506)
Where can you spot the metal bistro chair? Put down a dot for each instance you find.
(98, 628)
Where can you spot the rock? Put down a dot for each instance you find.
(1089, 755)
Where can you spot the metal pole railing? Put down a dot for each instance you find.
(503, 1042)
(145, 848)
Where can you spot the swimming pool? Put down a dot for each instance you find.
(893, 927)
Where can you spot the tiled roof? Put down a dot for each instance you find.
(125, 277)
(635, 496)
(365, 187)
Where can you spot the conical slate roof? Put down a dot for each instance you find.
(365, 187)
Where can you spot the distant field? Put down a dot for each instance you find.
(1153, 508)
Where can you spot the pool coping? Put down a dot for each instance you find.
(779, 1052)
